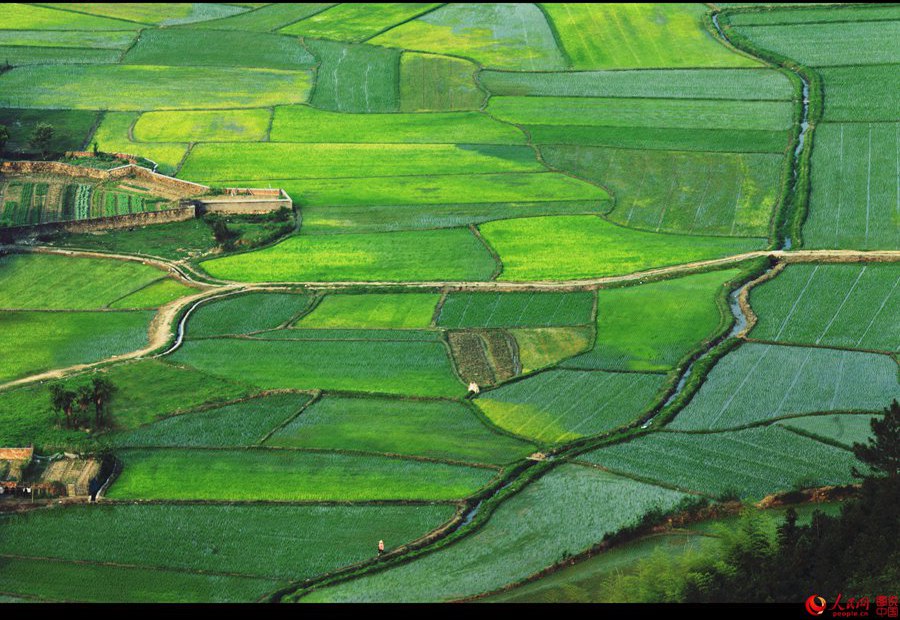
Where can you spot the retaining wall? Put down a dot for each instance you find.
(248, 201)
(131, 220)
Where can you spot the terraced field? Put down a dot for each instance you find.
(507, 319)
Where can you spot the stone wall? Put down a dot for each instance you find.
(246, 201)
(178, 214)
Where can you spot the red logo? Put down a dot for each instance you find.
(815, 605)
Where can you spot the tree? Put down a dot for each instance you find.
(102, 391)
(96, 148)
(41, 138)
(882, 452)
(84, 398)
(63, 400)
(4, 136)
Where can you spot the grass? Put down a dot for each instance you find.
(430, 428)
(844, 429)
(355, 78)
(413, 368)
(245, 423)
(731, 194)
(850, 306)
(215, 48)
(562, 405)
(465, 309)
(306, 124)
(651, 327)
(652, 35)
(571, 247)
(154, 295)
(864, 93)
(246, 313)
(752, 463)
(272, 542)
(175, 240)
(56, 282)
(285, 475)
(70, 128)
(847, 13)
(514, 544)
(30, 17)
(156, 13)
(547, 346)
(60, 339)
(502, 36)
(403, 311)
(453, 254)
(279, 160)
(639, 112)
(265, 18)
(747, 84)
(96, 583)
(759, 382)
(433, 83)
(33, 55)
(355, 23)
(854, 187)
(145, 87)
(203, 126)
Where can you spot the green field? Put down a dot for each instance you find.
(355, 22)
(606, 36)
(462, 310)
(355, 78)
(572, 247)
(453, 254)
(846, 13)
(848, 306)
(845, 429)
(288, 475)
(751, 463)
(431, 83)
(245, 314)
(651, 327)
(560, 405)
(454, 431)
(760, 382)
(284, 542)
(71, 128)
(203, 126)
(114, 134)
(60, 339)
(306, 124)
(389, 367)
(265, 18)
(853, 202)
(546, 346)
(245, 423)
(373, 311)
(502, 36)
(731, 194)
(146, 87)
(514, 543)
(155, 13)
(30, 17)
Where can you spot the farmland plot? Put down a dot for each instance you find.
(231, 48)
(846, 429)
(161, 13)
(306, 124)
(71, 128)
(266, 18)
(485, 310)
(31, 17)
(607, 36)
(848, 306)
(245, 314)
(60, 339)
(453, 254)
(514, 544)
(373, 311)
(846, 13)
(438, 429)
(245, 423)
(752, 462)
(571, 247)
(146, 87)
(416, 368)
(750, 84)
(699, 193)
(760, 382)
(357, 22)
(272, 542)
(355, 335)
(203, 126)
(355, 78)
(651, 327)
(503, 36)
(113, 135)
(280, 160)
(864, 93)
(153, 295)
(547, 346)
(433, 83)
(561, 405)
(288, 475)
(33, 55)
